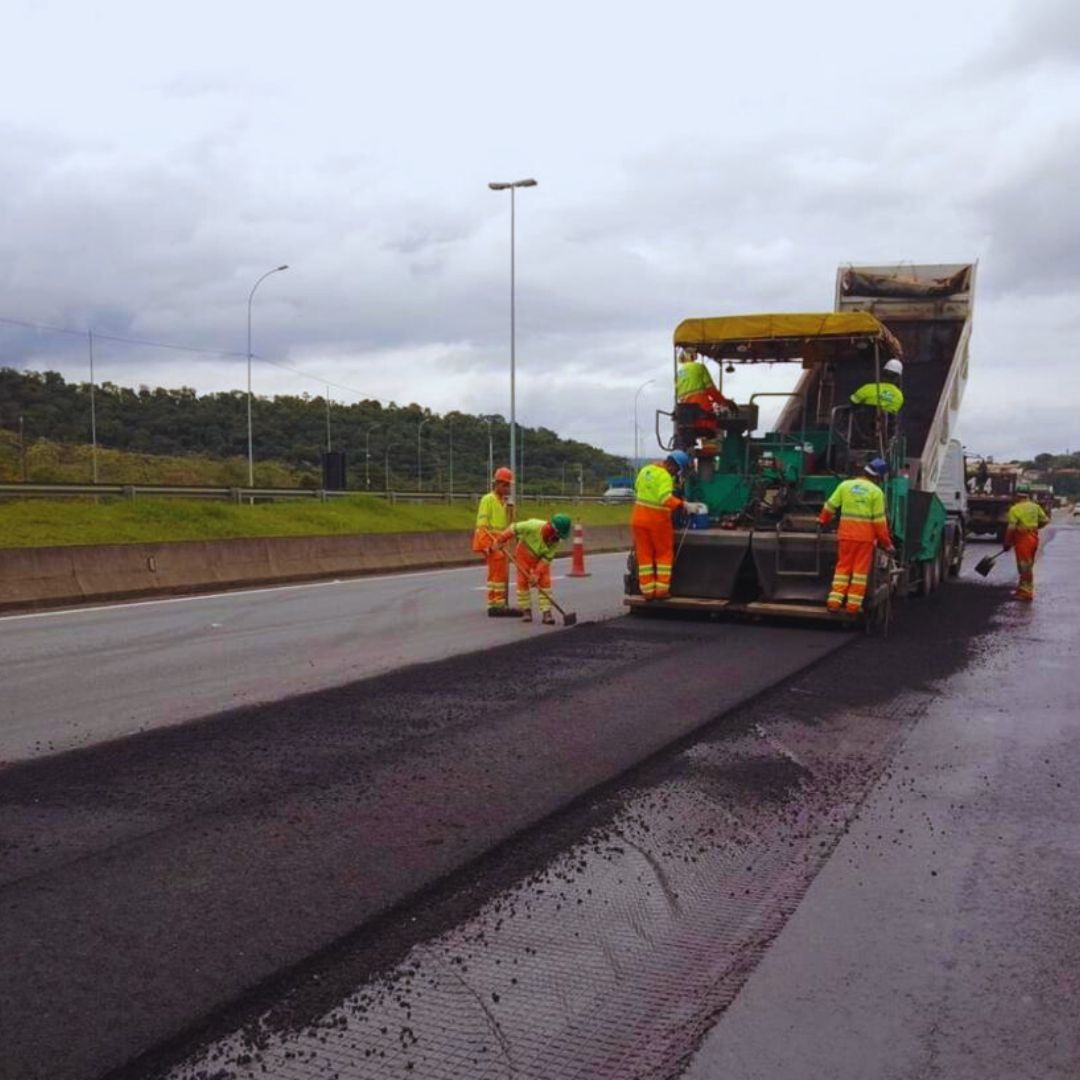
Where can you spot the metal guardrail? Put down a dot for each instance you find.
(247, 495)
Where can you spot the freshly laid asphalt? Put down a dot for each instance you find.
(76, 677)
(146, 882)
(942, 939)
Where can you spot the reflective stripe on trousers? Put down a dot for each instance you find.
(1025, 547)
(654, 548)
(853, 561)
(498, 578)
(531, 563)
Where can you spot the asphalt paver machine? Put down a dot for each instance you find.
(752, 542)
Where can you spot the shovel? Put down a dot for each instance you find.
(569, 618)
(985, 565)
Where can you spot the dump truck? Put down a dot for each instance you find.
(752, 543)
(991, 490)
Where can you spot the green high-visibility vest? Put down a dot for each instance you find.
(692, 379)
(653, 487)
(492, 513)
(1026, 514)
(887, 397)
(530, 533)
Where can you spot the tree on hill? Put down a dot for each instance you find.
(406, 444)
(1061, 470)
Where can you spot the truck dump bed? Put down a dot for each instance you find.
(928, 308)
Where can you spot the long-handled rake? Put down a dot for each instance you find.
(569, 618)
(985, 565)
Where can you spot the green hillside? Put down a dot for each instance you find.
(162, 435)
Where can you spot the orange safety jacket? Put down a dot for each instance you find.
(861, 505)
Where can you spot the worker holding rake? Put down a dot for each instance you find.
(537, 543)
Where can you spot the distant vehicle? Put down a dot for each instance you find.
(1076, 510)
(618, 495)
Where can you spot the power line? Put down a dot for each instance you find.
(123, 340)
(192, 349)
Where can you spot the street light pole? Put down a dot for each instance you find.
(367, 454)
(450, 423)
(512, 187)
(251, 296)
(491, 450)
(93, 411)
(636, 396)
(419, 474)
(386, 464)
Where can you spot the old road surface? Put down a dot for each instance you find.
(868, 868)
(78, 676)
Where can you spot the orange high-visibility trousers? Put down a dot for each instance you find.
(654, 547)
(528, 562)
(853, 561)
(498, 577)
(1025, 547)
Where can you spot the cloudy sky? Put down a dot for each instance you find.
(693, 158)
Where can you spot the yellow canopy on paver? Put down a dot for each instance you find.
(801, 336)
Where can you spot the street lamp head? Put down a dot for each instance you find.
(524, 183)
(497, 186)
(283, 266)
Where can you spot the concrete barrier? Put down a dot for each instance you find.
(52, 576)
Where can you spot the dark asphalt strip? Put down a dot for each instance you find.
(146, 883)
(603, 942)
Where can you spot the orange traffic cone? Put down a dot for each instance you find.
(578, 567)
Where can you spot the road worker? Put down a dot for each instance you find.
(886, 394)
(697, 393)
(1026, 517)
(878, 402)
(493, 517)
(650, 523)
(537, 543)
(861, 505)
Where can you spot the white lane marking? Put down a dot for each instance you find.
(250, 592)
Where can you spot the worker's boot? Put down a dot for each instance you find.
(547, 619)
(526, 615)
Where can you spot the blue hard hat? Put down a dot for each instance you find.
(877, 467)
(681, 458)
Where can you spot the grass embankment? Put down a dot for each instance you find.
(45, 522)
(67, 463)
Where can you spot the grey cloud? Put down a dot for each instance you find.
(1040, 32)
(1033, 217)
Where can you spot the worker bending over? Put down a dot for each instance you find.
(493, 517)
(1026, 517)
(538, 540)
(861, 505)
(694, 386)
(650, 522)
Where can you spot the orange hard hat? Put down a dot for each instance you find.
(505, 475)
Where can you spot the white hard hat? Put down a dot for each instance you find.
(894, 366)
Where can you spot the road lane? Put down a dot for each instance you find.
(76, 677)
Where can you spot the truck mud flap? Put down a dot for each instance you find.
(794, 566)
(714, 564)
